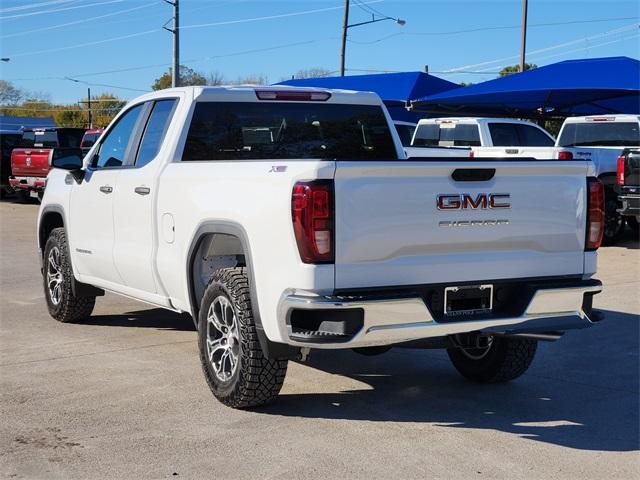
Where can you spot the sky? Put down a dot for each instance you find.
(119, 46)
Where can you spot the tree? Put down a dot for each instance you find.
(9, 94)
(511, 69)
(314, 72)
(251, 79)
(188, 77)
(215, 78)
(105, 106)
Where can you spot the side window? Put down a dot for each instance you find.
(113, 147)
(155, 130)
(466, 136)
(534, 137)
(504, 134)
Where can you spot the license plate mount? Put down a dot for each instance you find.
(468, 300)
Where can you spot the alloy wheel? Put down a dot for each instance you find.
(223, 341)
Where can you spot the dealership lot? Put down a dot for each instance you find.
(123, 396)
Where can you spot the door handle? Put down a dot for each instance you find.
(106, 189)
(473, 174)
(142, 190)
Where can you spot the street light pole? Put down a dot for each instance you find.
(89, 107)
(175, 31)
(345, 26)
(523, 35)
(175, 76)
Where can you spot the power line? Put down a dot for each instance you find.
(484, 29)
(33, 5)
(42, 12)
(186, 62)
(367, 8)
(97, 42)
(269, 17)
(76, 22)
(553, 47)
(147, 32)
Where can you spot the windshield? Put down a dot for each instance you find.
(600, 134)
(255, 130)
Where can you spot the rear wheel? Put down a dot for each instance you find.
(613, 221)
(22, 195)
(234, 365)
(499, 359)
(62, 303)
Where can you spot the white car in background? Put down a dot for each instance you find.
(480, 137)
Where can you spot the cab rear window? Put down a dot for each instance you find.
(447, 134)
(251, 131)
(600, 134)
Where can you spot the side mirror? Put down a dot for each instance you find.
(68, 159)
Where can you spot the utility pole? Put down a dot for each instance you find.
(345, 26)
(175, 70)
(523, 35)
(89, 106)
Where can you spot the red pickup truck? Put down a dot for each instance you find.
(90, 137)
(30, 161)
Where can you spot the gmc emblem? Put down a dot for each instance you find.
(482, 201)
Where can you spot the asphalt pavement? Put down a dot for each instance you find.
(122, 396)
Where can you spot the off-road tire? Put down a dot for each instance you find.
(507, 359)
(23, 196)
(634, 226)
(71, 308)
(256, 380)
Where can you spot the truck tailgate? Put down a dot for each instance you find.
(390, 231)
(30, 162)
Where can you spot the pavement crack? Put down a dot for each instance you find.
(94, 353)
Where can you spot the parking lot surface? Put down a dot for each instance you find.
(122, 396)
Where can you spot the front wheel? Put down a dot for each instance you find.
(633, 225)
(501, 359)
(62, 303)
(234, 365)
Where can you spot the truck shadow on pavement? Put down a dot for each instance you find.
(553, 403)
(157, 318)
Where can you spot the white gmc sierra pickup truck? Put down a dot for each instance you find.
(284, 219)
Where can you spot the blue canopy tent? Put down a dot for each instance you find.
(16, 124)
(573, 87)
(395, 89)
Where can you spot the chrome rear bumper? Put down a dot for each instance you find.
(394, 320)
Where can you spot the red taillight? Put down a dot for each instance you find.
(312, 214)
(565, 156)
(293, 95)
(620, 170)
(595, 214)
(472, 154)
